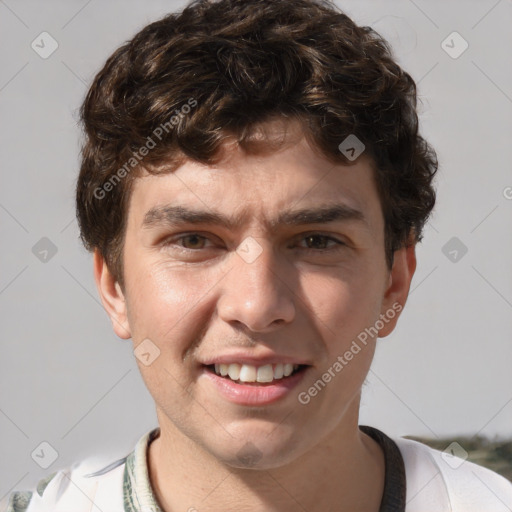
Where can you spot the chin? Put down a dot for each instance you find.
(253, 448)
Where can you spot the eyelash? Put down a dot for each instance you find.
(328, 238)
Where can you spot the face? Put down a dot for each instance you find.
(283, 267)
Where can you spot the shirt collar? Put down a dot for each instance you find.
(137, 491)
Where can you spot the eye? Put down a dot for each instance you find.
(187, 241)
(316, 242)
(319, 239)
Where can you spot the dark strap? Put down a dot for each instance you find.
(393, 497)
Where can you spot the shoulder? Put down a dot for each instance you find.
(74, 489)
(440, 481)
(19, 500)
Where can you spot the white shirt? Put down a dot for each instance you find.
(434, 482)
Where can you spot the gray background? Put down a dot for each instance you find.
(68, 380)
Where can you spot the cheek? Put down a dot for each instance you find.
(343, 302)
(168, 309)
(166, 305)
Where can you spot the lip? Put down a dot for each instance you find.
(255, 394)
(244, 358)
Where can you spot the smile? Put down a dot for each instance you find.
(250, 373)
(249, 385)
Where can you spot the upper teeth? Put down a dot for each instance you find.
(250, 373)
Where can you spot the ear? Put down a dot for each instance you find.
(395, 296)
(111, 296)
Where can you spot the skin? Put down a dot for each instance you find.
(197, 298)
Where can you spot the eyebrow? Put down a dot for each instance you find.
(173, 216)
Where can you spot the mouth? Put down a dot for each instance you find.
(268, 374)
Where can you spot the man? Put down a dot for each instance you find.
(253, 185)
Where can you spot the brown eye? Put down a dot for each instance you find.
(318, 242)
(195, 241)
(188, 241)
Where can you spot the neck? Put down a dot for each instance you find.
(344, 472)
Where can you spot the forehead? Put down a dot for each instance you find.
(247, 188)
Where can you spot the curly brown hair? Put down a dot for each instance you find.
(189, 81)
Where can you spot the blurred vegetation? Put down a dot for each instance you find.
(493, 454)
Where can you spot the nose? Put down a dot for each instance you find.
(257, 293)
